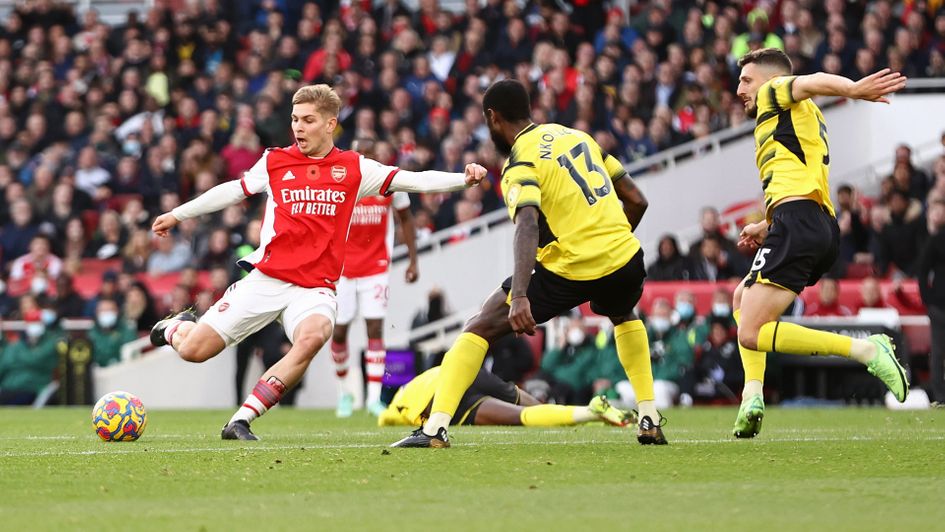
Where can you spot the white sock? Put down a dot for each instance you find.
(582, 414)
(374, 365)
(648, 408)
(752, 388)
(437, 421)
(251, 409)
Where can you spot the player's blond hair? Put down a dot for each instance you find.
(325, 99)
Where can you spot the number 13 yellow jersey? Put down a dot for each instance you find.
(583, 231)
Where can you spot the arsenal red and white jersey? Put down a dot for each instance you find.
(368, 252)
(305, 224)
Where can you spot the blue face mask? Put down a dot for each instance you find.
(685, 310)
(48, 316)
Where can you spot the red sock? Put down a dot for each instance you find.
(339, 353)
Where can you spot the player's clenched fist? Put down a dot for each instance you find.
(164, 223)
(753, 235)
(474, 174)
(520, 316)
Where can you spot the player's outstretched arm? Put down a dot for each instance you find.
(634, 203)
(218, 197)
(524, 250)
(873, 88)
(437, 181)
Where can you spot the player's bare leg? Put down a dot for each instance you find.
(342, 361)
(759, 331)
(197, 342)
(633, 350)
(374, 363)
(194, 342)
(308, 338)
(765, 303)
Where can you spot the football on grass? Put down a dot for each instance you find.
(119, 416)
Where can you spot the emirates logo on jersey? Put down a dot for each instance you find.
(313, 173)
(339, 173)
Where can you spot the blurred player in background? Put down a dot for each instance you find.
(799, 240)
(573, 243)
(312, 189)
(493, 401)
(364, 287)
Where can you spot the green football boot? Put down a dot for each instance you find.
(887, 367)
(601, 407)
(750, 415)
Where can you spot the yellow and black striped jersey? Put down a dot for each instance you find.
(791, 147)
(583, 231)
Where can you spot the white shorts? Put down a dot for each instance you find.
(369, 294)
(256, 300)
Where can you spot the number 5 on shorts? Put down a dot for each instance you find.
(759, 262)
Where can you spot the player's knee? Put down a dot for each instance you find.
(310, 341)
(748, 337)
(481, 328)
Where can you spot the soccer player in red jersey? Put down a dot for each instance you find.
(313, 188)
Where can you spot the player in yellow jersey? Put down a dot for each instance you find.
(493, 401)
(798, 240)
(576, 206)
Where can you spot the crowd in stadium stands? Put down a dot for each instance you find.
(879, 236)
(103, 127)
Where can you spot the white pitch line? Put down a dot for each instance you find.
(762, 440)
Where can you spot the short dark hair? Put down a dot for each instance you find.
(509, 98)
(771, 57)
(845, 188)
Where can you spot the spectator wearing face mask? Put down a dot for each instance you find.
(27, 364)
(109, 333)
(685, 318)
(49, 315)
(721, 307)
(39, 265)
(567, 367)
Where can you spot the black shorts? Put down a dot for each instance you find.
(486, 385)
(615, 294)
(802, 245)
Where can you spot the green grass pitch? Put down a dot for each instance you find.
(839, 469)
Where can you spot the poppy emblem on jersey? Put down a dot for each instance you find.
(338, 173)
(513, 193)
(313, 173)
(223, 307)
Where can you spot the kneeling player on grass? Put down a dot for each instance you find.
(492, 401)
(799, 239)
(313, 188)
(573, 243)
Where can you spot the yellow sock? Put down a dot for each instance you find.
(547, 416)
(753, 361)
(633, 350)
(459, 369)
(794, 339)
